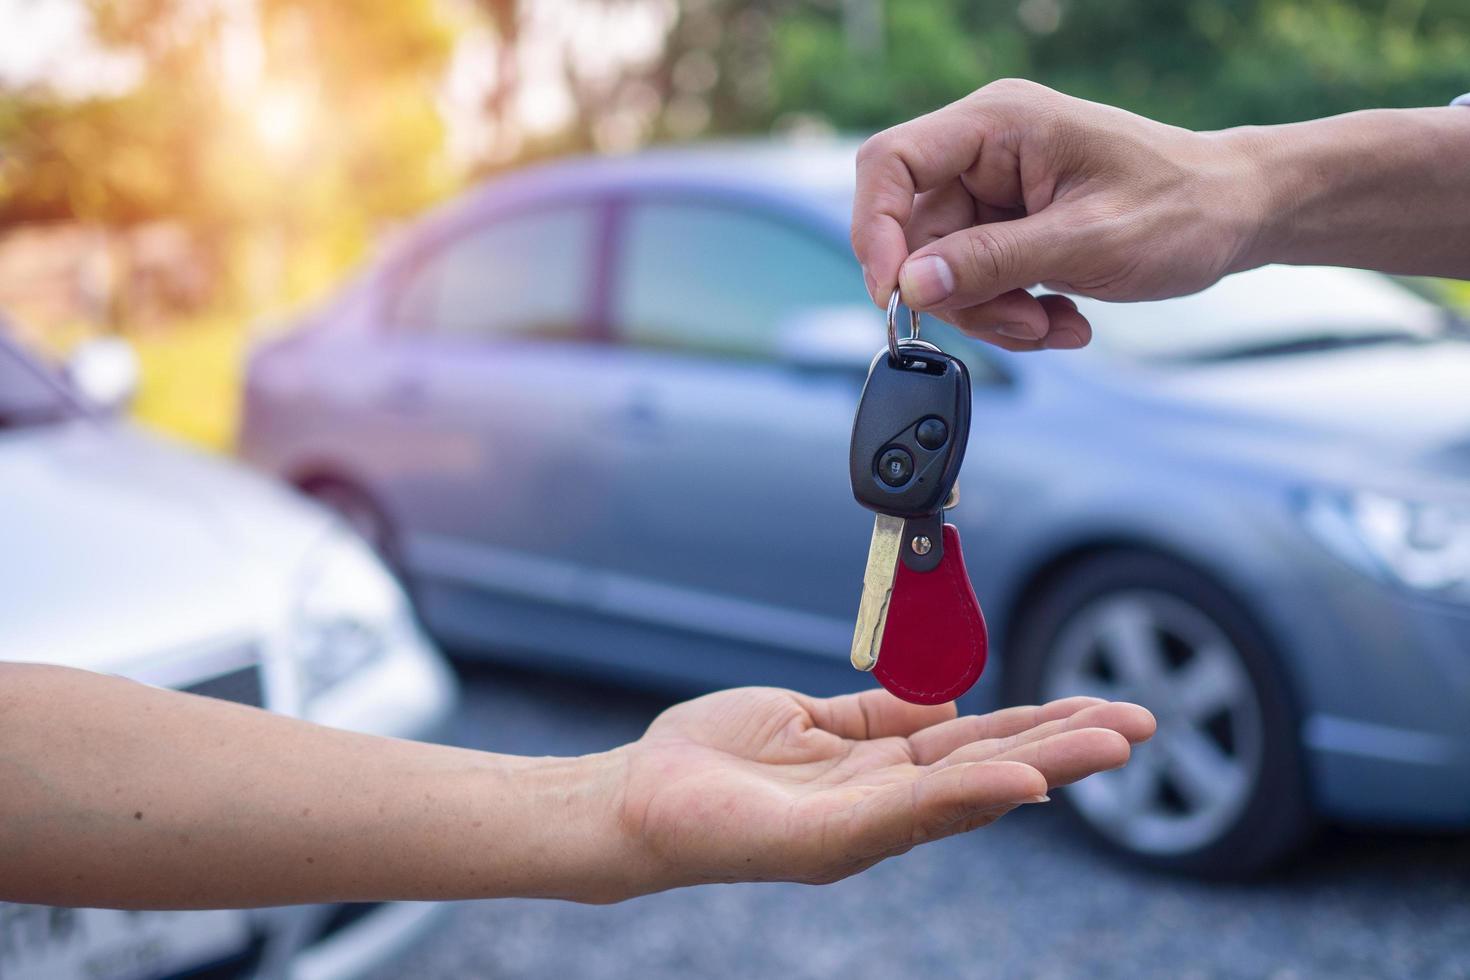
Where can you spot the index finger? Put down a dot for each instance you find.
(937, 741)
(895, 166)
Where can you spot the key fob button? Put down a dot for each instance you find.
(895, 467)
(932, 433)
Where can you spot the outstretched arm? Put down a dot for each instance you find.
(117, 794)
(1016, 184)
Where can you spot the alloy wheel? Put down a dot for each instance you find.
(1185, 787)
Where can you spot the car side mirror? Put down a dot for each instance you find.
(841, 339)
(105, 372)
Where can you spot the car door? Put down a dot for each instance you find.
(734, 511)
(492, 384)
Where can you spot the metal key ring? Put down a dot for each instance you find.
(893, 304)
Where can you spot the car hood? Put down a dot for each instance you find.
(120, 548)
(1408, 403)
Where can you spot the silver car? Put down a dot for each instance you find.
(124, 554)
(598, 413)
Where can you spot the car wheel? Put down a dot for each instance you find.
(1219, 790)
(360, 513)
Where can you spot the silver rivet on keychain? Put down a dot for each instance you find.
(893, 304)
(921, 544)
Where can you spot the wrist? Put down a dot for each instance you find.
(1253, 201)
(589, 852)
(1379, 189)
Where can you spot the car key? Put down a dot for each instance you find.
(919, 627)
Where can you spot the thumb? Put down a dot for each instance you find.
(977, 264)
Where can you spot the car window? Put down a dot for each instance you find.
(27, 396)
(527, 274)
(714, 279)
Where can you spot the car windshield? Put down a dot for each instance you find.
(28, 396)
(1266, 312)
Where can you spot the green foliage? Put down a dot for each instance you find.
(929, 59)
(1198, 63)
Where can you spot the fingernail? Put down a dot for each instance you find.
(1037, 799)
(925, 281)
(871, 283)
(1018, 331)
(1064, 340)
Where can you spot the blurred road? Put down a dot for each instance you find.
(1025, 898)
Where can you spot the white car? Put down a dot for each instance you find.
(125, 554)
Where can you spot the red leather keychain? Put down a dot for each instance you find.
(934, 642)
(919, 627)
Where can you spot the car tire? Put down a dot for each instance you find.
(1220, 790)
(360, 512)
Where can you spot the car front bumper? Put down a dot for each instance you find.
(408, 693)
(1383, 680)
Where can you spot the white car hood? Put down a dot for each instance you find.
(117, 548)
(1415, 396)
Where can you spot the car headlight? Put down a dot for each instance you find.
(348, 613)
(1420, 545)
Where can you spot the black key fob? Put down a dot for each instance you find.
(910, 431)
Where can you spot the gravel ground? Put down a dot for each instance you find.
(1027, 897)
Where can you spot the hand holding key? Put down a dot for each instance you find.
(1017, 184)
(762, 784)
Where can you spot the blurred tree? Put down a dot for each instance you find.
(715, 73)
(280, 140)
(932, 52)
(505, 21)
(1199, 63)
(283, 133)
(349, 136)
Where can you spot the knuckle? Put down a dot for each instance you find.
(877, 146)
(986, 259)
(1105, 214)
(1071, 140)
(1011, 88)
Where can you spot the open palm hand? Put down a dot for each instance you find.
(760, 784)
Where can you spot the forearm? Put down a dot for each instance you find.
(1385, 189)
(117, 794)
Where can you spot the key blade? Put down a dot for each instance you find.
(878, 580)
